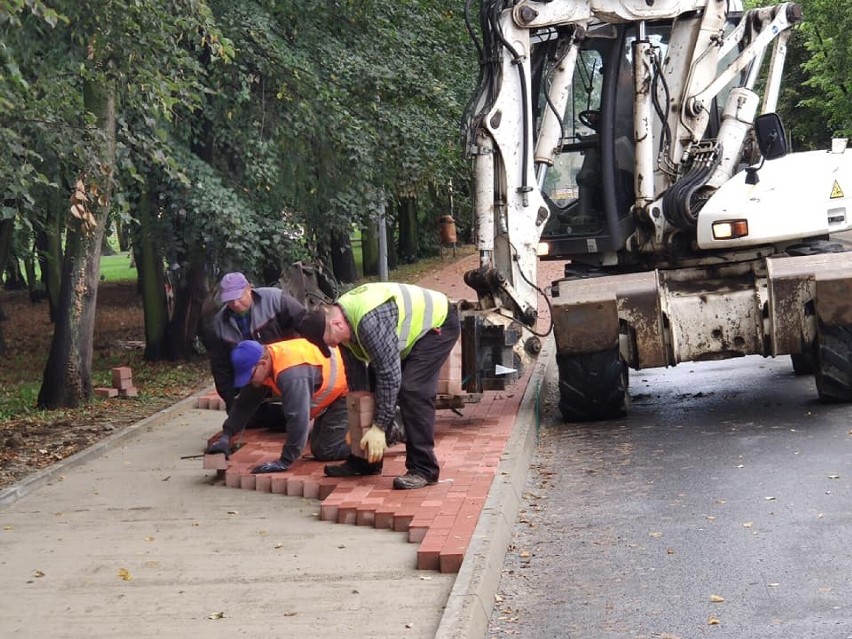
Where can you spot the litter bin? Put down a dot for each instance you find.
(448, 230)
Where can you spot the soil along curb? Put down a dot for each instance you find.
(471, 600)
(13, 493)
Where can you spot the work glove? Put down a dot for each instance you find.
(220, 446)
(269, 467)
(374, 443)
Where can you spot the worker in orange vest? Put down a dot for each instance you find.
(310, 385)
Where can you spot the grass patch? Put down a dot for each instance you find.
(117, 268)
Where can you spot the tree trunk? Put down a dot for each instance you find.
(122, 236)
(67, 380)
(106, 249)
(370, 249)
(48, 241)
(33, 285)
(407, 215)
(149, 267)
(6, 227)
(393, 254)
(190, 293)
(15, 280)
(2, 333)
(342, 258)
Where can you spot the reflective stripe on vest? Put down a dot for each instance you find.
(420, 310)
(294, 352)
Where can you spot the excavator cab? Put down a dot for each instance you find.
(589, 188)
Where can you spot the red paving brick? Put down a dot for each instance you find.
(440, 518)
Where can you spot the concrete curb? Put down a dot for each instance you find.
(469, 606)
(13, 493)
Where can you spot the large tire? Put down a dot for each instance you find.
(592, 386)
(803, 363)
(833, 373)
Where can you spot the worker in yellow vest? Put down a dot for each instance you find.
(405, 333)
(310, 385)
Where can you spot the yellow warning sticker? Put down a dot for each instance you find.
(836, 191)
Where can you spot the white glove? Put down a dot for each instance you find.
(374, 443)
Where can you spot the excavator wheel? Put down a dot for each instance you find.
(592, 386)
(833, 366)
(804, 363)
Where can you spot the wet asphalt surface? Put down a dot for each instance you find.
(720, 507)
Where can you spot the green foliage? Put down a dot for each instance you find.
(258, 128)
(814, 101)
(827, 32)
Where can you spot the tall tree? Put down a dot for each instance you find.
(107, 52)
(67, 379)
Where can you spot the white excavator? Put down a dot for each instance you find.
(638, 141)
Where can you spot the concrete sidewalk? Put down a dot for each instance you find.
(127, 538)
(136, 541)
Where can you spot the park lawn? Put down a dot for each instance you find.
(118, 268)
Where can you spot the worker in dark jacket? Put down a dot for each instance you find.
(265, 315)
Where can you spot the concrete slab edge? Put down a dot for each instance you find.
(471, 600)
(33, 482)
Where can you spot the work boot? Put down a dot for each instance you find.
(410, 481)
(221, 446)
(353, 467)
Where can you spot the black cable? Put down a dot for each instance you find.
(516, 258)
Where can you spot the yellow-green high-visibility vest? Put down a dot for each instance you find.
(420, 310)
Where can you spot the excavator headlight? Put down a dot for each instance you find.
(730, 229)
(543, 249)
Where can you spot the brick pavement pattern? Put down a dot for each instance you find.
(440, 518)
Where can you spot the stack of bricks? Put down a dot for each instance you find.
(211, 401)
(359, 410)
(450, 377)
(122, 384)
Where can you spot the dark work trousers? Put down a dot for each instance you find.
(416, 398)
(328, 434)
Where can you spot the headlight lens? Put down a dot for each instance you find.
(730, 229)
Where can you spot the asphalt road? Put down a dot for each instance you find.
(720, 507)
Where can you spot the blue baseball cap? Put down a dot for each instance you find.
(244, 358)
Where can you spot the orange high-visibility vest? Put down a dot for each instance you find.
(293, 352)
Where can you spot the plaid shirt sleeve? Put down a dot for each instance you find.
(377, 337)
